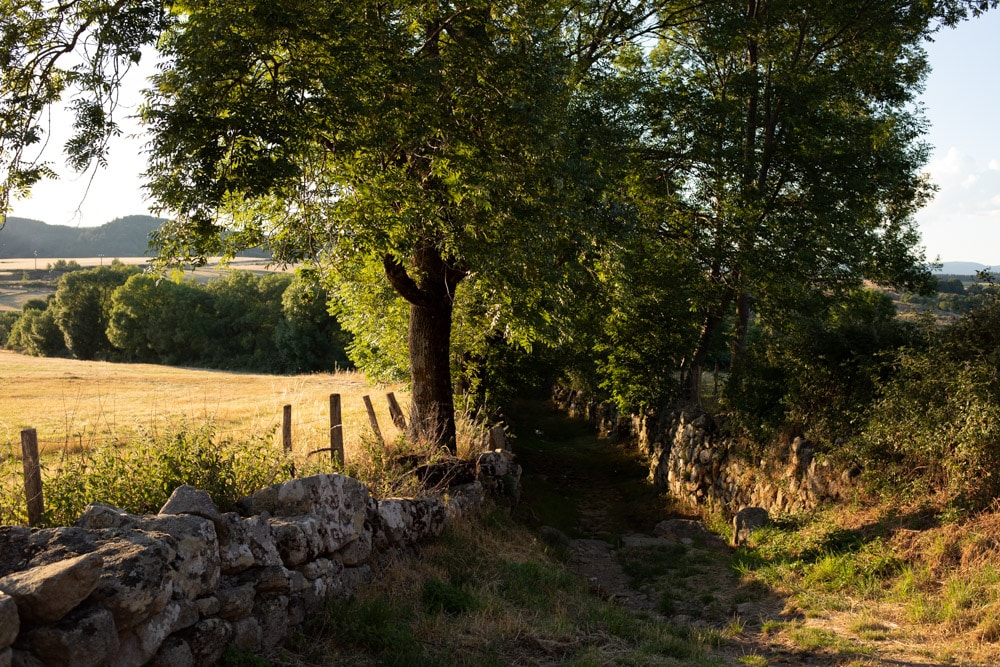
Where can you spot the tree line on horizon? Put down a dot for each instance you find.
(276, 323)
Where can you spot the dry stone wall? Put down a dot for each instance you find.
(696, 463)
(176, 588)
(700, 466)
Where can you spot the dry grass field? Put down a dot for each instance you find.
(79, 404)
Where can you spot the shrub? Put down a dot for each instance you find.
(936, 426)
(815, 372)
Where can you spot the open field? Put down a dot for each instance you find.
(78, 404)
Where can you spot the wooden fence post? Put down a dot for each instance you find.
(395, 412)
(336, 430)
(286, 428)
(32, 476)
(498, 438)
(372, 419)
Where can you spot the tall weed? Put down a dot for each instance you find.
(140, 475)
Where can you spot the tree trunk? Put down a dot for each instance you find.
(744, 310)
(432, 408)
(691, 372)
(432, 404)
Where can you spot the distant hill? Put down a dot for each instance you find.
(124, 237)
(961, 268)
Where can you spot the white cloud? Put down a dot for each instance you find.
(963, 220)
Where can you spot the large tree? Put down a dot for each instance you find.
(785, 141)
(451, 142)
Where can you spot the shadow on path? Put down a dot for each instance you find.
(590, 500)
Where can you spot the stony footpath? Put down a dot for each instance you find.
(644, 546)
(176, 588)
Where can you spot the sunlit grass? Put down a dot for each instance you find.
(75, 405)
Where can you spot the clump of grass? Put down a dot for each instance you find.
(441, 597)
(369, 626)
(870, 628)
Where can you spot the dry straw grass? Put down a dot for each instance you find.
(76, 405)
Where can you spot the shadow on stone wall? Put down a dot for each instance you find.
(691, 458)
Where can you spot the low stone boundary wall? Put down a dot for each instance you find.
(691, 459)
(176, 588)
(699, 466)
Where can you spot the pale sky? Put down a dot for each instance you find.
(962, 102)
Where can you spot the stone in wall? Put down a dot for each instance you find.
(47, 593)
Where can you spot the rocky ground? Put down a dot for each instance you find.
(590, 499)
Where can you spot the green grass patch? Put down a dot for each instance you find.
(646, 564)
(816, 639)
(442, 597)
(140, 475)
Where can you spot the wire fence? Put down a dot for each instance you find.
(313, 429)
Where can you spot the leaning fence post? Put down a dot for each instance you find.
(372, 419)
(336, 430)
(32, 476)
(396, 412)
(286, 428)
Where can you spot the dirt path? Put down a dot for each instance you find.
(591, 498)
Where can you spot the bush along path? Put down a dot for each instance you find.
(773, 603)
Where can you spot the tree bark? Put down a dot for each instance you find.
(432, 411)
(744, 310)
(432, 404)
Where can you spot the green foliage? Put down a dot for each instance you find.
(647, 327)
(246, 310)
(8, 318)
(140, 475)
(308, 336)
(275, 323)
(950, 286)
(36, 332)
(784, 155)
(160, 321)
(40, 65)
(937, 424)
(816, 370)
(64, 266)
(82, 308)
(377, 142)
(936, 428)
(376, 317)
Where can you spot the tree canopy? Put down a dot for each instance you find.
(451, 143)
